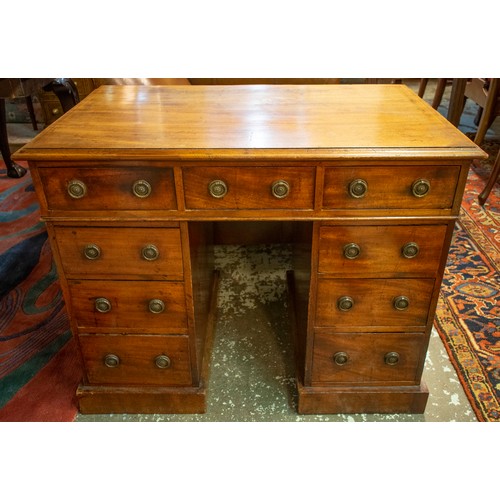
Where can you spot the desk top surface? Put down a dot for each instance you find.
(266, 121)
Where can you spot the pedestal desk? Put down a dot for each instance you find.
(132, 180)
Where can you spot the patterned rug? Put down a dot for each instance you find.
(39, 368)
(468, 312)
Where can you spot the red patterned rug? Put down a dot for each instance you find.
(39, 368)
(468, 312)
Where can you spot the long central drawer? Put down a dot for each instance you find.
(249, 187)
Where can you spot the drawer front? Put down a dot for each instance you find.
(136, 359)
(251, 188)
(411, 188)
(381, 249)
(129, 305)
(107, 188)
(105, 251)
(366, 358)
(373, 302)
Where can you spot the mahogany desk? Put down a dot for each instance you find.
(132, 180)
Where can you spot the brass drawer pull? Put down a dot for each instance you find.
(352, 251)
(401, 303)
(280, 189)
(156, 306)
(91, 251)
(340, 358)
(391, 358)
(358, 188)
(150, 252)
(162, 361)
(217, 188)
(102, 305)
(410, 250)
(77, 189)
(345, 303)
(111, 360)
(421, 188)
(141, 188)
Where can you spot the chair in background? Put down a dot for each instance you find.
(485, 92)
(438, 94)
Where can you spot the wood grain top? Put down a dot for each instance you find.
(267, 121)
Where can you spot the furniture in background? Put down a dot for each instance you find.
(12, 88)
(367, 181)
(486, 94)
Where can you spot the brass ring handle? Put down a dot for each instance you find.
(111, 360)
(91, 251)
(150, 252)
(162, 361)
(141, 188)
(345, 303)
(340, 358)
(421, 188)
(102, 305)
(358, 188)
(352, 251)
(391, 358)
(410, 250)
(217, 188)
(401, 303)
(156, 306)
(77, 189)
(280, 189)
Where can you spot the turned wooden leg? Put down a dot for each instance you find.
(495, 173)
(13, 170)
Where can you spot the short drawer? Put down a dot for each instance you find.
(136, 359)
(393, 250)
(104, 251)
(108, 188)
(129, 306)
(379, 187)
(238, 187)
(367, 358)
(373, 302)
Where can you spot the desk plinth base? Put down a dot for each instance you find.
(105, 399)
(401, 399)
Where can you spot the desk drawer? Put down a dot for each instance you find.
(396, 250)
(108, 188)
(104, 251)
(366, 358)
(373, 302)
(237, 187)
(136, 359)
(138, 306)
(412, 188)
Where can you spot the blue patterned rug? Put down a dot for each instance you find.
(33, 322)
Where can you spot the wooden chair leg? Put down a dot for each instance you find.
(31, 111)
(438, 96)
(495, 174)
(422, 86)
(13, 169)
(487, 114)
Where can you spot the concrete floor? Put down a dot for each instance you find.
(252, 373)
